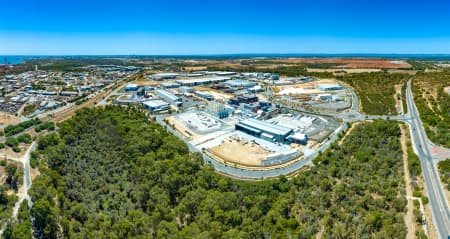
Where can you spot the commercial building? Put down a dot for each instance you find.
(264, 130)
(240, 83)
(166, 95)
(329, 87)
(156, 105)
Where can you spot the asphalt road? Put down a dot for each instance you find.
(421, 144)
(438, 202)
(258, 174)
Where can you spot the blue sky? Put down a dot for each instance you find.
(222, 27)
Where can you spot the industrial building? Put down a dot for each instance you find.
(164, 76)
(170, 85)
(156, 105)
(323, 97)
(186, 89)
(131, 87)
(240, 83)
(204, 95)
(243, 99)
(166, 95)
(298, 138)
(329, 87)
(264, 130)
(202, 81)
(217, 109)
(255, 89)
(221, 73)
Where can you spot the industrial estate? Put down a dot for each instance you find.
(266, 123)
(226, 114)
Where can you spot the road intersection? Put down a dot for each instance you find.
(428, 153)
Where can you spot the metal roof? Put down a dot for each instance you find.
(266, 127)
(155, 103)
(167, 94)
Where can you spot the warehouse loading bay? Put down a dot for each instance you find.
(249, 120)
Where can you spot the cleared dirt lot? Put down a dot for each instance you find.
(350, 62)
(361, 70)
(9, 153)
(182, 128)
(7, 119)
(146, 82)
(240, 152)
(310, 87)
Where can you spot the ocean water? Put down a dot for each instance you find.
(13, 60)
(10, 59)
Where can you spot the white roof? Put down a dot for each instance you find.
(155, 103)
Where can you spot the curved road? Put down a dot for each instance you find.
(421, 145)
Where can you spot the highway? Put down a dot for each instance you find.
(421, 145)
(438, 202)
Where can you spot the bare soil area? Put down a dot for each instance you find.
(240, 152)
(182, 129)
(350, 71)
(351, 62)
(7, 152)
(398, 99)
(7, 119)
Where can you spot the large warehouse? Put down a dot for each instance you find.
(240, 83)
(202, 81)
(156, 105)
(166, 95)
(264, 130)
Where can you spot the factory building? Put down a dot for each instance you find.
(264, 130)
(166, 95)
(69, 93)
(298, 138)
(323, 97)
(131, 87)
(204, 95)
(243, 99)
(186, 89)
(221, 73)
(202, 81)
(155, 105)
(240, 83)
(255, 89)
(170, 85)
(329, 87)
(140, 91)
(217, 109)
(164, 76)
